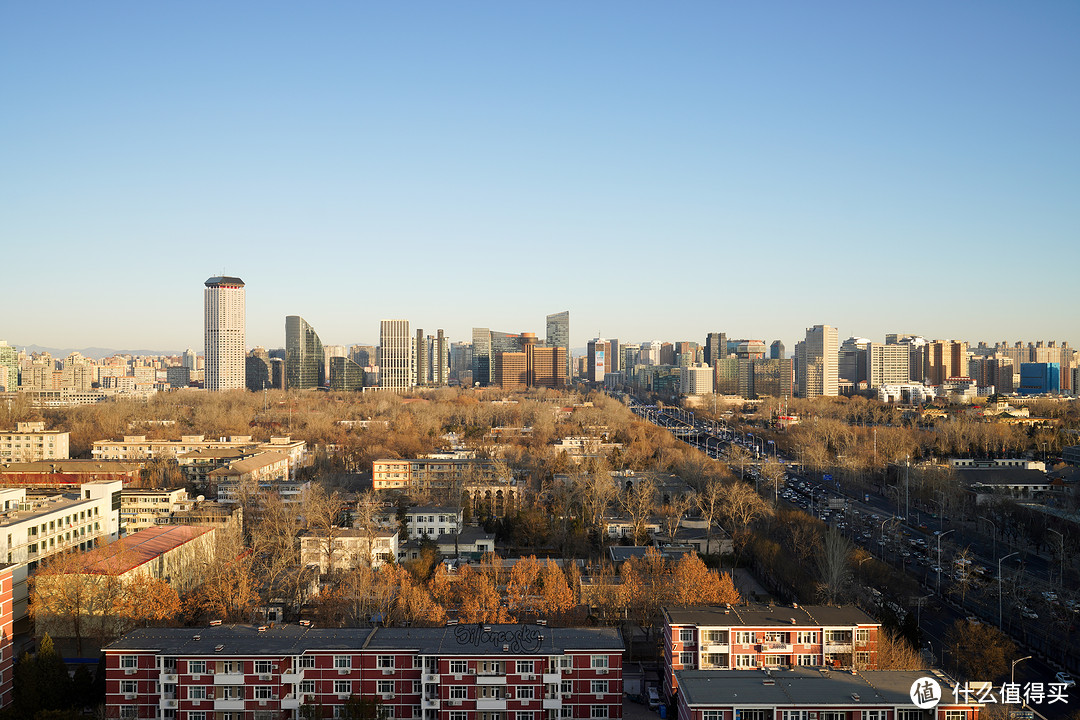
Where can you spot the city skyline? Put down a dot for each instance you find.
(660, 172)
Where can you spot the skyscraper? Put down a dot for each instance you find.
(224, 324)
(305, 361)
(395, 355)
(9, 367)
(481, 357)
(558, 333)
(819, 362)
(715, 347)
(776, 350)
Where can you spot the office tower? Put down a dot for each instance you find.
(305, 363)
(481, 356)
(510, 370)
(667, 354)
(819, 363)
(852, 361)
(9, 367)
(257, 370)
(546, 366)
(558, 333)
(363, 355)
(345, 375)
(612, 356)
(695, 380)
(715, 347)
(440, 359)
(598, 362)
(771, 378)
(395, 355)
(1039, 378)
(189, 359)
(224, 325)
(277, 372)
(887, 365)
(650, 353)
(421, 360)
(748, 349)
(726, 376)
(944, 359)
(776, 350)
(331, 351)
(461, 363)
(630, 355)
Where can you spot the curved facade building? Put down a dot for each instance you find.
(305, 364)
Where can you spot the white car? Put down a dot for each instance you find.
(1066, 678)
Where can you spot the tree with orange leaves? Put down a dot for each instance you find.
(145, 600)
(478, 599)
(522, 592)
(694, 584)
(556, 597)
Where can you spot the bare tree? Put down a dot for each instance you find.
(639, 503)
(738, 455)
(671, 513)
(774, 473)
(323, 515)
(834, 567)
(710, 502)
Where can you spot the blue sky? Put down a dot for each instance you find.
(661, 170)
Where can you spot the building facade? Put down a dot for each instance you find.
(305, 362)
(395, 355)
(224, 325)
(30, 442)
(818, 363)
(459, 672)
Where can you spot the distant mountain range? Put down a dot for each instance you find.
(91, 352)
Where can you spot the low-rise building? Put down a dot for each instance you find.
(802, 693)
(67, 474)
(138, 447)
(141, 508)
(348, 547)
(756, 636)
(263, 473)
(30, 442)
(460, 672)
(7, 632)
(431, 473)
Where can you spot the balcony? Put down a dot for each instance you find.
(552, 678)
(490, 679)
(232, 678)
(229, 704)
(292, 676)
(431, 678)
(553, 703)
(292, 701)
(716, 649)
(168, 703)
(167, 678)
(430, 703)
(831, 646)
(491, 704)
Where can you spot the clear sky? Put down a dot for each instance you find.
(661, 170)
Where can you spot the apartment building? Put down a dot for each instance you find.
(348, 547)
(425, 521)
(67, 474)
(756, 636)
(30, 442)
(264, 472)
(7, 631)
(137, 447)
(459, 672)
(817, 693)
(34, 526)
(427, 473)
(140, 508)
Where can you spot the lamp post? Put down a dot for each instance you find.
(999, 584)
(940, 535)
(1012, 670)
(1061, 557)
(994, 537)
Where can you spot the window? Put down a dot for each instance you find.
(196, 692)
(131, 711)
(307, 686)
(686, 659)
(344, 687)
(263, 667)
(196, 667)
(417, 687)
(385, 661)
(686, 635)
(599, 661)
(566, 686)
(775, 660)
(908, 714)
(459, 692)
(305, 661)
(193, 715)
(832, 715)
(129, 661)
(807, 637)
(458, 715)
(527, 692)
(129, 687)
(599, 686)
(807, 659)
(744, 637)
(264, 692)
(712, 715)
(744, 661)
(717, 637)
(385, 686)
(862, 657)
(716, 659)
(862, 635)
(795, 715)
(525, 715)
(233, 692)
(598, 711)
(873, 715)
(459, 667)
(955, 714)
(775, 637)
(755, 714)
(524, 667)
(343, 661)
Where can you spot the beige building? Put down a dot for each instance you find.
(819, 362)
(427, 473)
(348, 547)
(887, 364)
(266, 472)
(141, 508)
(30, 442)
(224, 325)
(137, 447)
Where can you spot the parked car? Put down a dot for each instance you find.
(1066, 678)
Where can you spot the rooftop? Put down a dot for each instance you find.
(133, 550)
(297, 639)
(761, 615)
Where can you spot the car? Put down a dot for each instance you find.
(653, 697)
(1029, 614)
(1065, 678)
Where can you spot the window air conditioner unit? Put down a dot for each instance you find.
(343, 671)
(472, 671)
(388, 671)
(129, 671)
(130, 696)
(265, 677)
(601, 671)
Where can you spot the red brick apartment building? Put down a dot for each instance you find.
(743, 637)
(804, 693)
(7, 647)
(458, 672)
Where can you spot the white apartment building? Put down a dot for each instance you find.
(348, 548)
(30, 442)
(35, 526)
(696, 380)
(395, 355)
(137, 447)
(225, 341)
(887, 364)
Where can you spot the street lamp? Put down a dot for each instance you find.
(1012, 671)
(940, 535)
(999, 585)
(994, 537)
